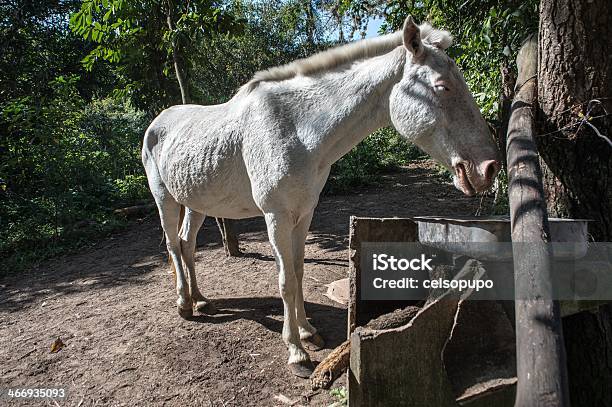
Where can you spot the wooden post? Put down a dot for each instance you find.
(229, 238)
(541, 364)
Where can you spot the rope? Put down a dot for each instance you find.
(518, 89)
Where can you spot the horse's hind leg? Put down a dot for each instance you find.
(169, 213)
(188, 234)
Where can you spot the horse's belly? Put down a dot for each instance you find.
(233, 212)
(226, 197)
(209, 178)
(233, 201)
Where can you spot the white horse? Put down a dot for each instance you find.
(269, 150)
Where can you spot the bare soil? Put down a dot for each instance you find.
(113, 306)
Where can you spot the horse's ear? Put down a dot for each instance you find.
(412, 37)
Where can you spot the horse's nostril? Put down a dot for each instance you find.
(491, 168)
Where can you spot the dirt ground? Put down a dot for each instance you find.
(113, 306)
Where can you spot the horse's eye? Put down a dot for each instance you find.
(440, 88)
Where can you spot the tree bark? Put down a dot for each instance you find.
(575, 82)
(310, 23)
(508, 81)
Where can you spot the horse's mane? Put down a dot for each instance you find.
(344, 54)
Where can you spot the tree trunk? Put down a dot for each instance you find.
(339, 17)
(177, 58)
(508, 81)
(180, 77)
(575, 82)
(310, 24)
(588, 345)
(228, 236)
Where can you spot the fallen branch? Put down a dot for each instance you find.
(135, 210)
(337, 362)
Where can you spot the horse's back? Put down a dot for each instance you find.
(237, 159)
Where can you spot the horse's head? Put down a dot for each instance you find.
(432, 107)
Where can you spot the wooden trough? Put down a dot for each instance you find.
(454, 352)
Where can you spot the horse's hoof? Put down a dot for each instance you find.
(185, 313)
(206, 307)
(314, 342)
(302, 369)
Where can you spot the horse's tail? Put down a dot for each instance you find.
(180, 223)
(150, 140)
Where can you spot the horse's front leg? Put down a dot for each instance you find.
(280, 230)
(310, 338)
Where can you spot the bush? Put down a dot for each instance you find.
(132, 188)
(65, 162)
(382, 151)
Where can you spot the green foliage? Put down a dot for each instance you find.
(141, 38)
(220, 65)
(65, 163)
(384, 150)
(341, 395)
(132, 188)
(118, 27)
(501, 203)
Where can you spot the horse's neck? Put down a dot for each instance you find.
(349, 105)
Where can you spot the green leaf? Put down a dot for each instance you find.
(487, 39)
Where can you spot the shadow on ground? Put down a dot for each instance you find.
(263, 309)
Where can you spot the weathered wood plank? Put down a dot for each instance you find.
(404, 366)
(373, 230)
(336, 363)
(541, 365)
